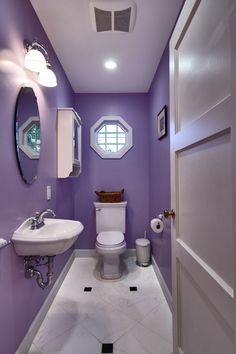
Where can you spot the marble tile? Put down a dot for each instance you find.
(79, 322)
(80, 269)
(135, 305)
(108, 324)
(81, 307)
(151, 341)
(74, 341)
(34, 350)
(128, 344)
(160, 322)
(55, 323)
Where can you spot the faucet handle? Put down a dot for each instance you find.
(34, 221)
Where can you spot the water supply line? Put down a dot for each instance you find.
(31, 263)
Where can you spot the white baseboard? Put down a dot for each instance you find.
(162, 282)
(83, 253)
(131, 252)
(34, 327)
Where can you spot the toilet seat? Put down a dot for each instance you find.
(108, 239)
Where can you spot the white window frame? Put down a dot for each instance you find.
(23, 130)
(98, 125)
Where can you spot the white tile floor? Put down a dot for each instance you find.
(79, 322)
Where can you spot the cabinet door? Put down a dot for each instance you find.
(77, 142)
(69, 143)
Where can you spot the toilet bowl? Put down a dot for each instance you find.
(110, 241)
(110, 245)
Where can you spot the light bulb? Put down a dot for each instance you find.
(110, 64)
(35, 60)
(47, 78)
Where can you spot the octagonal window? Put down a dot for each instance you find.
(111, 137)
(29, 137)
(33, 137)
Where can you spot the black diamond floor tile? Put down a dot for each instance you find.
(88, 288)
(107, 348)
(133, 288)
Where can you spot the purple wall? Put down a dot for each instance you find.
(129, 172)
(21, 298)
(159, 152)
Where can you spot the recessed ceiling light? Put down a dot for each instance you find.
(110, 64)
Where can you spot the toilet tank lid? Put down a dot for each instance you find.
(108, 205)
(110, 238)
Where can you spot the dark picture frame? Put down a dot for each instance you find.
(162, 123)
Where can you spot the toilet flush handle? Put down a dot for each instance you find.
(98, 209)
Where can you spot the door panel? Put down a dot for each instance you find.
(203, 61)
(203, 175)
(204, 206)
(202, 321)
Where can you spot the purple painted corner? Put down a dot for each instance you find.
(21, 298)
(160, 167)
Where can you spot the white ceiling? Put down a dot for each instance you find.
(82, 51)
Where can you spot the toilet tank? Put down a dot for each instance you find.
(110, 216)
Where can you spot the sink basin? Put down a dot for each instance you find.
(55, 237)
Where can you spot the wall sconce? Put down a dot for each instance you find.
(37, 60)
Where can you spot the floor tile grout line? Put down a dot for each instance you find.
(127, 329)
(142, 345)
(144, 348)
(156, 333)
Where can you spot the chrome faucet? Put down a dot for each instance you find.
(38, 220)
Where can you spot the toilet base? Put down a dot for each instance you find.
(110, 267)
(110, 261)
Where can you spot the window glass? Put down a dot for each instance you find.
(33, 137)
(111, 137)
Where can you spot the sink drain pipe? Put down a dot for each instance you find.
(31, 264)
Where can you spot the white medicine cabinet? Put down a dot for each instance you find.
(68, 143)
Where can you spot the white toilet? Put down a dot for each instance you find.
(110, 242)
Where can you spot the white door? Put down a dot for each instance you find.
(203, 177)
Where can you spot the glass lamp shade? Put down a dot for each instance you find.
(35, 60)
(47, 78)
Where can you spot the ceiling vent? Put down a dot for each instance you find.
(115, 16)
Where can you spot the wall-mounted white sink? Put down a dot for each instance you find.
(55, 237)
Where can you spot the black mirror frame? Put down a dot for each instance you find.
(21, 92)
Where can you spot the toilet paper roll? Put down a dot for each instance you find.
(157, 225)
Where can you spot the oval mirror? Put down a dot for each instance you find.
(27, 134)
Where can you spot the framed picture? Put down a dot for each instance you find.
(162, 123)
